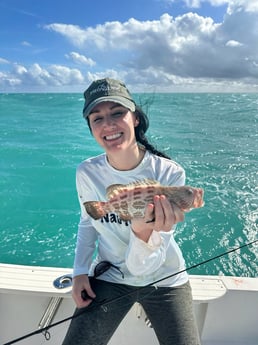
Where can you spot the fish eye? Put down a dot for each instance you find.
(189, 192)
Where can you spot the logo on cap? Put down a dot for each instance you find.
(104, 87)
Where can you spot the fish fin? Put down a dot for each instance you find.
(115, 189)
(145, 182)
(96, 209)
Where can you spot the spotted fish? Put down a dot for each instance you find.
(129, 201)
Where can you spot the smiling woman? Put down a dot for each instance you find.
(142, 248)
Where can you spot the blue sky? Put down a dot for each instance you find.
(152, 45)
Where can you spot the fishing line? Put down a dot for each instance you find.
(105, 303)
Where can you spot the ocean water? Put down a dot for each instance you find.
(43, 137)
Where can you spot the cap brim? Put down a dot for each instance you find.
(127, 103)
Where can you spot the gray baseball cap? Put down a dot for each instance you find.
(107, 90)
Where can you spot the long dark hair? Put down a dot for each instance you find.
(140, 133)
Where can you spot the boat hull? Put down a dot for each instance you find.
(225, 309)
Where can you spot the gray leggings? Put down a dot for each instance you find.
(169, 310)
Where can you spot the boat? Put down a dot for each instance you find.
(36, 308)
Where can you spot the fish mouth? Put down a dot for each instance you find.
(198, 198)
(113, 136)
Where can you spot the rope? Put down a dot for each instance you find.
(105, 303)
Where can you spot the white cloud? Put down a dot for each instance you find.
(187, 46)
(65, 76)
(80, 59)
(19, 69)
(198, 3)
(4, 61)
(233, 5)
(25, 44)
(233, 43)
(185, 52)
(36, 76)
(72, 32)
(7, 81)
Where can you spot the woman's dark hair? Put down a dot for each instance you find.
(140, 133)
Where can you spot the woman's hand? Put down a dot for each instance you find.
(81, 283)
(160, 215)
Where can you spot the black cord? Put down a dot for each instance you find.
(104, 303)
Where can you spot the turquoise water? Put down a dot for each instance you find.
(213, 136)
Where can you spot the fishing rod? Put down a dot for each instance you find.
(45, 330)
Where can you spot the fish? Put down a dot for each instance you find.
(129, 201)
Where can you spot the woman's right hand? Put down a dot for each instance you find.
(161, 216)
(81, 283)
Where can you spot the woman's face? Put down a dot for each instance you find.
(112, 126)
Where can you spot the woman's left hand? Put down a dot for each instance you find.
(160, 215)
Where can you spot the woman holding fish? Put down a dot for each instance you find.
(131, 197)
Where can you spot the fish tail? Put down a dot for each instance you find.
(96, 209)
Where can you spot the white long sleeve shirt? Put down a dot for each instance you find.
(112, 239)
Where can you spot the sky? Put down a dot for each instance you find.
(151, 45)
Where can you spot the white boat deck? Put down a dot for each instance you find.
(32, 280)
(39, 280)
(226, 308)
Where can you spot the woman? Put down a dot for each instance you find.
(125, 256)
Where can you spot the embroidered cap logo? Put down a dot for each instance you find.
(105, 89)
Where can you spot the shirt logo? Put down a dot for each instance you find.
(113, 218)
